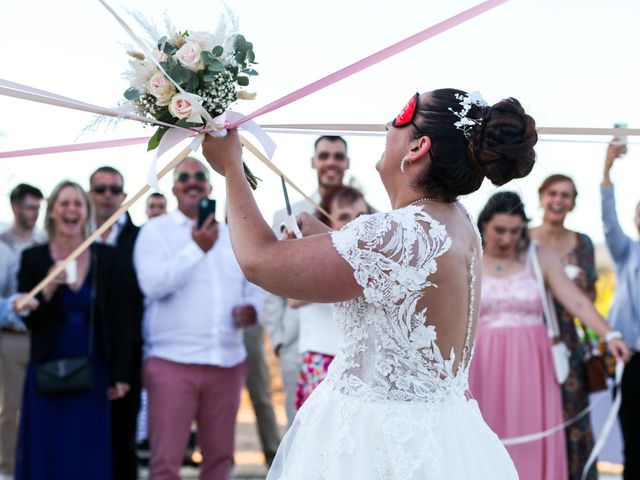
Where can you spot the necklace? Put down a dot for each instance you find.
(423, 199)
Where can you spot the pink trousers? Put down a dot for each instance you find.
(180, 394)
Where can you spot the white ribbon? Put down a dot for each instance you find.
(291, 224)
(604, 433)
(532, 437)
(608, 424)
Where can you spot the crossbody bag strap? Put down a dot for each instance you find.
(547, 301)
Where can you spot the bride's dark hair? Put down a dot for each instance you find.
(499, 147)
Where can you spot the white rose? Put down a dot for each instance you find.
(182, 107)
(161, 88)
(205, 40)
(189, 56)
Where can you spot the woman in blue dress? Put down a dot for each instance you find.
(81, 313)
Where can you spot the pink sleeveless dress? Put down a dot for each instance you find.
(512, 375)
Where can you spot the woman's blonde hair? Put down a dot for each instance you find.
(53, 198)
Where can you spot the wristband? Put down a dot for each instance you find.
(613, 334)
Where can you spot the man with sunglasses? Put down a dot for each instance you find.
(330, 161)
(197, 302)
(14, 338)
(106, 190)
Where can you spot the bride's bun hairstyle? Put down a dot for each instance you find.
(471, 140)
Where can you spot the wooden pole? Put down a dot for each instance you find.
(100, 230)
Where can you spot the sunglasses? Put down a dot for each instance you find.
(408, 113)
(183, 177)
(337, 155)
(101, 189)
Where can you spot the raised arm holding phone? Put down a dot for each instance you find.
(624, 315)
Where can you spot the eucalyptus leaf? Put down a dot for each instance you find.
(251, 57)
(217, 51)
(240, 57)
(155, 139)
(192, 84)
(132, 94)
(217, 67)
(240, 43)
(207, 57)
(249, 71)
(179, 73)
(243, 81)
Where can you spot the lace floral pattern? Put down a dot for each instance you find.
(392, 407)
(390, 353)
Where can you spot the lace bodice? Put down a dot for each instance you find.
(391, 349)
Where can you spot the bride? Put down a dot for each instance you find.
(406, 288)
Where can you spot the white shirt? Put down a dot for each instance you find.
(190, 295)
(319, 332)
(114, 233)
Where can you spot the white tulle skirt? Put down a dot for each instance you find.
(341, 437)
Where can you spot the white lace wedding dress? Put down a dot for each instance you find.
(393, 407)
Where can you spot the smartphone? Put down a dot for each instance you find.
(623, 139)
(206, 207)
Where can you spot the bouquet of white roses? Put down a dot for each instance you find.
(207, 67)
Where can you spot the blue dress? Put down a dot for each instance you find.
(67, 437)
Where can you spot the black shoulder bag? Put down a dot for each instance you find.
(71, 374)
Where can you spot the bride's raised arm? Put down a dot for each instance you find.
(307, 269)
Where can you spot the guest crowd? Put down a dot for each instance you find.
(153, 331)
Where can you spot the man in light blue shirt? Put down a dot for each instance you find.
(624, 315)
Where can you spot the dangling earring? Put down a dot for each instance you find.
(402, 164)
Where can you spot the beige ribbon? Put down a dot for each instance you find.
(59, 268)
(279, 172)
(376, 127)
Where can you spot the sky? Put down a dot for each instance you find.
(570, 64)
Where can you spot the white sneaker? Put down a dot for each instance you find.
(5, 477)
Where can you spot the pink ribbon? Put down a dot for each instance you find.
(13, 89)
(75, 147)
(373, 59)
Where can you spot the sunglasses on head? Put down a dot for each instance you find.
(183, 177)
(114, 189)
(337, 155)
(408, 113)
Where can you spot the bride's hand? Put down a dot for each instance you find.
(223, 153)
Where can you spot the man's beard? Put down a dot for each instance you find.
(335, 184)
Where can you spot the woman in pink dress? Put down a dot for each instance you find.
(512, 376)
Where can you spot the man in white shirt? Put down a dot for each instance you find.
(196, 301)
(330, 161)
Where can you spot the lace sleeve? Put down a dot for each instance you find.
(392, 254)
